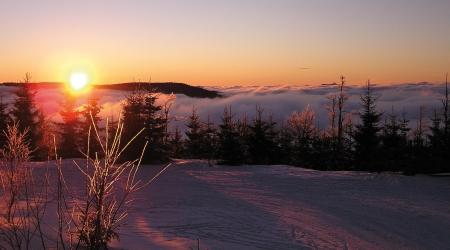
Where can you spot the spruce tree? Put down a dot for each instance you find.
(446, 117)
(262, 139)
(133, 122)
(420, 132)
(91, 122)
(155, 126)
(272, 140)
(45, 147)
(439, 136)
(366, 134)
(25, 111)
(195, 136)
(391, 131)
(5, 119)
(392, 148)
(69, 128)
(419, 147)
(140, 112)
(112, 124)
(285, 139)
(210, 139)
(404, 128)
(230, 149)
(244, 132)
(436, 136)
(176, 144)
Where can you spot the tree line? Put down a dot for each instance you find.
(358, 140)
(361, 140)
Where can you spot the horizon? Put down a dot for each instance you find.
(281, 100)
(373, 84)
(203, 43)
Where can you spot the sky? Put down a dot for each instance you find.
(226, 43)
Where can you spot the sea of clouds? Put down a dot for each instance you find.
(281, 101)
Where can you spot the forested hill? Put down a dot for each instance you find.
(163, 87)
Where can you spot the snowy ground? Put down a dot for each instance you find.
(280, 207)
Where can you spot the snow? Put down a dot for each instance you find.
(281, 207)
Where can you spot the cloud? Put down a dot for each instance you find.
(279, 100)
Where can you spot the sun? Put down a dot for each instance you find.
(78, 81)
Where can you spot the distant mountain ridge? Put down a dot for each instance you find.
(161, 87)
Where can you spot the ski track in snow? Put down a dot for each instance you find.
(282, 207)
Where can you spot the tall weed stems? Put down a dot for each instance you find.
(15, 172)
(90, 220)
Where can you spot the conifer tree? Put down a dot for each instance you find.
(262, 139)
(436, 136)
(69, 128)
(421, 129)
(391, 136)
(195, 136)
(176, 144)
(210, 139)
(91, 121)
(272, 139)
(5, 119)
(133, 122)
(230, 149)
(45, 147)
(154, 128)
(392, 148)
(112, 123)
(404, 127)
(285, 139)
(366, 134)
(140, 112)
(440, 128)
(25, 111)
(244, 132)
(446, 117)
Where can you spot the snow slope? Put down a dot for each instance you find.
(282, 207)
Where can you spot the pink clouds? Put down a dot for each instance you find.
(279, 100)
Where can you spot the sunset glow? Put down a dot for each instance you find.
(228, 43)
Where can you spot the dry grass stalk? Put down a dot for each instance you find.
(23, 197)
(92, 220)
(103, 210)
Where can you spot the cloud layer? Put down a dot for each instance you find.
(279, 100)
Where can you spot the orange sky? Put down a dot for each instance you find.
(226, 43)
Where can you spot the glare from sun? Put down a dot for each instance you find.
(78, 80)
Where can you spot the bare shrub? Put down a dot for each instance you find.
(15, 156)
(91, 220)
(105, 205)
(22, 210)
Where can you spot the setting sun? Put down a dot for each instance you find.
(78, 80)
